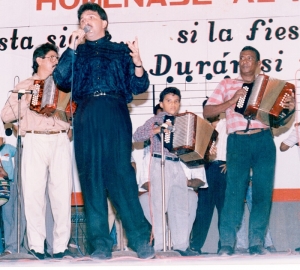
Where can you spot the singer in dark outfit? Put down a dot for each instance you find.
(105, 76)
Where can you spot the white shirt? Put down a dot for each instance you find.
(293, 138)
(222, 140)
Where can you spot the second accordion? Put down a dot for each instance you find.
(47, 99)
(264, 100)
(191, 139)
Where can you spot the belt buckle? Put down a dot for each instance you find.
(47, 132)
(99, 93)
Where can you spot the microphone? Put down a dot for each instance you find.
(24, 91)
(8, 129)
(8, 132)
(86, 29)
(165, 126)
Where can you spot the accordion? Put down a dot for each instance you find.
(264, 100)
(49, 100)
(191, 138)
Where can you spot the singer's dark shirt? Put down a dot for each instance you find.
(99, 65)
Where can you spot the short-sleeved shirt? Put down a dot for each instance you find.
(224, 92)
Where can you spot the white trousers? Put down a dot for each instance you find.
(192, 204)
(42, 155)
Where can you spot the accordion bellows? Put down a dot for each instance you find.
(191, 139)
(47, 99)
(264, 102)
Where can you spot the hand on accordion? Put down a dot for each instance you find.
(289, 103)
(241, 93)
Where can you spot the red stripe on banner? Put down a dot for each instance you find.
(77, 199)
(279, 195)
(286, 195)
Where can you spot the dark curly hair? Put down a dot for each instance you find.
(169, 90)
(41, 51)
(250, 48)
(94, 7)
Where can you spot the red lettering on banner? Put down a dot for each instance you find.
(106, 4)
(140, 3)
(162, 2)
(195, 2)
(200, 2)
(258, 1)
(40, 2)
(183, 3)
(63, 4)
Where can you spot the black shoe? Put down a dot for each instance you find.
(145, 251)
(225, 250)
(271, 249)
(259, 249)
(61, 255)
(297, 249)
(101, 255)
(37, 255)
(188, 252)
(196, 250)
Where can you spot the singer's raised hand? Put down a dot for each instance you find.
(136, 58)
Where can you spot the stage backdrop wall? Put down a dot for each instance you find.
(190, 44)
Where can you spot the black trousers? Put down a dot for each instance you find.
(103, 144)
(208, 199)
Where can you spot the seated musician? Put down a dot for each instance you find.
(250, 144)
(46, 150)
(176, 193)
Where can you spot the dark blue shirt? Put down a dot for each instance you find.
(99, 65)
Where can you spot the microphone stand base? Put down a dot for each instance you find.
(124, 253)
(166, 254)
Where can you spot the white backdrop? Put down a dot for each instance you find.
(183, 35)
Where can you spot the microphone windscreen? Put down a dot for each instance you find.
(86, 29)
(8, 132)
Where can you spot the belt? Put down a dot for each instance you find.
(110, 94)
(47, 132)
(250, 131)
(167, 158)
(217, 162)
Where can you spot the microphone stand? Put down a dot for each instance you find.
(19, 255)
(165, 252)
(19, 149)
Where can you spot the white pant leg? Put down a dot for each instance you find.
(178, 206)
(145, 203)
(59, 189)
(34, 180)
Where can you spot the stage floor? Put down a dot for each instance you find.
(290, 259)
